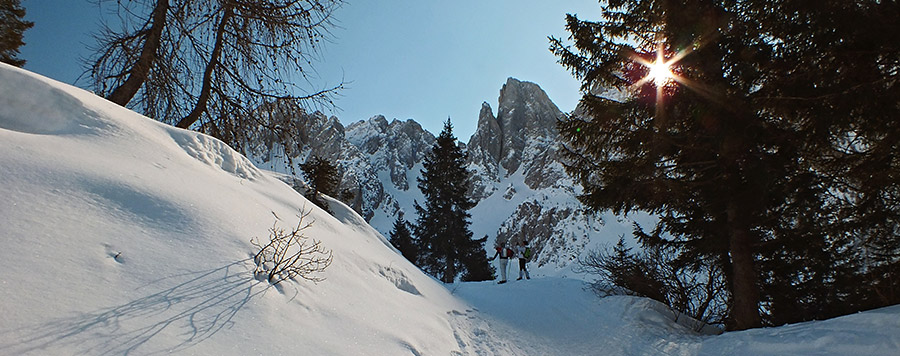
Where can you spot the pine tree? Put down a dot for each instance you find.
(12, 28)
(401, 237)
(442, 227)
(477, 266)
(768, 150)
(323, 178)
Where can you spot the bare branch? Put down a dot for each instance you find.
(289, 255)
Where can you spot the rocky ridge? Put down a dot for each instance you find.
(518, 180)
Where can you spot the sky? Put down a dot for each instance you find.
(404, 59)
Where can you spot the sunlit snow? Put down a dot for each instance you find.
(122, 235)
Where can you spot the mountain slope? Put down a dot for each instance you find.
(519, 182)
(123, 235)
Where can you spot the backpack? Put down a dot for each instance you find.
(527, 253)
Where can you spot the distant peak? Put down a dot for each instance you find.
(521, 83)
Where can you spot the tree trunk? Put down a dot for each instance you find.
(141, 69)
(449, 272)
(744, 286)
(200, 106)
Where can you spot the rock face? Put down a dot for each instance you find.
(527, 119)
(517, 171)
(377, 159)
(316, 134)
(519, 183)
(394, 147)
(521, 139)
(485, 147)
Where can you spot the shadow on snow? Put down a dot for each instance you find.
(199, 305)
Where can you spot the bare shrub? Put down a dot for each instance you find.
(694, 290)
(291, 254)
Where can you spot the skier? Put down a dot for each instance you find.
(523, 252)
(504, 253)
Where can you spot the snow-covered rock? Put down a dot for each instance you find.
(513, 155)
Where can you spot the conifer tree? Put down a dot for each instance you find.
(766, 143)
(12, 28)
(323, 178)
(401, 237)
(442, 227)
(477, 266)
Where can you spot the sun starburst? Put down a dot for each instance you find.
(661, 70)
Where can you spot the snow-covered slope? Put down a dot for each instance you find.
(121, 235)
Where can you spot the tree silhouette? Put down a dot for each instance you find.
(323, 178)
(12, 28)
(446, 246)
(208, 64)
(770, 150)
(401, 237)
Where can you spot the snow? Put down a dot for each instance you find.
(122, 235)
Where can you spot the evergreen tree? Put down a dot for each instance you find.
(478, 268)
(767, 147)
(323, 178)
(12, 28)
(442, 227)
(401, 237)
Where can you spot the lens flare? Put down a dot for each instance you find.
(661, 72)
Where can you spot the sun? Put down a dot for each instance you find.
(660, 72)
(663, 72)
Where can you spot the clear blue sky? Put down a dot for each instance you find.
(418, 59)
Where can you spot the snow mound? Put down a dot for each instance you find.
(399, 278)
(37, 107)
(123, 235)
(215, 153)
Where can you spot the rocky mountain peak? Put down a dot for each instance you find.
(523, 136)
(521, 188)
(395, 147)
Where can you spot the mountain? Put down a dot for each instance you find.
(315, 134)
(517, 171)
(521, 138)
(519, 182)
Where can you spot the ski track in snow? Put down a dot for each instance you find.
(556, 316)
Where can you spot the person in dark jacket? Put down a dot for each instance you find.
(523, 258)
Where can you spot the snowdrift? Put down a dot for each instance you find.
(121, 234)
